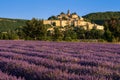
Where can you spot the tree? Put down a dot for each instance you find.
(53, 18)
(35, 29)
(80, 32)
(12, 35)
(112, 27)
(64, 18)
(108, 35)
(96, 34)
(57, 34)
(54, 24)
(69, 35)
(62, 13)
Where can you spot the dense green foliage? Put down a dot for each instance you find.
(112, 30)
(35, 29)
(111, 22)
(100, 17)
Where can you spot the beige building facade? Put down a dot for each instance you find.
(72, 20)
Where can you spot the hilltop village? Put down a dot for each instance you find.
(71, 19)
(64, 27)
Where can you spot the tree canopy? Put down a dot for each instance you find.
(35, 29)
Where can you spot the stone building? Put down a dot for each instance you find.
(71, 19)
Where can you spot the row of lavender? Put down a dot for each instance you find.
(4, 76)
(35, 60)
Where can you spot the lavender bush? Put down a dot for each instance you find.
(5, 76)
(39, 60)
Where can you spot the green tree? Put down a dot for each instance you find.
(80, 32)
(112, 27)
(70, 35)
(12, 35)
(5, 36)
(58, 36)
(53, 18)
(108, 35)
(35, 29)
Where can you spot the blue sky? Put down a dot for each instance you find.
(42, 9)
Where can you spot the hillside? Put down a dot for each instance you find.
(10, 24)
(100, 17)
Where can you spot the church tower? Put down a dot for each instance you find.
(68, 13)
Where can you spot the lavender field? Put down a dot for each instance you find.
(39, 60)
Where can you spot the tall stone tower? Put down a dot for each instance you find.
(68, 12)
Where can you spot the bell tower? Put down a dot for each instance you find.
(68, 12)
